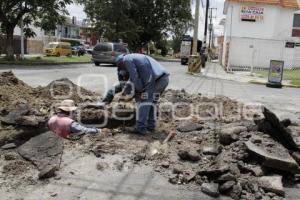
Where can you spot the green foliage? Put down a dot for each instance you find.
(137, 22)
(42, 13)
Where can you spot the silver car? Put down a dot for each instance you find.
(107, 52)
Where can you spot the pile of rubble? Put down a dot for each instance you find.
(211, 146)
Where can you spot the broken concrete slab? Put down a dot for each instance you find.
(14, 115)
(189, 127)
(272, 184)
(286, 163)
(9, 146)
(44, 151)
(272, 126)
(33, 121)
(211, 189)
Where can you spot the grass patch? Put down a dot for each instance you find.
(48, 60)
(291, 75)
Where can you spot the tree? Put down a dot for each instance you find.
(42, 13)
(136, 21)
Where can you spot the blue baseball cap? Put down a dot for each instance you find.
(119, 59)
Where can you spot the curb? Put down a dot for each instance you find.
(42, 63)
(166, 60)
(264, 83)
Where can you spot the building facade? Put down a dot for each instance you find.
(257, 31)
(71, 31)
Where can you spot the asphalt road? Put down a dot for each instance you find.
(284, 102)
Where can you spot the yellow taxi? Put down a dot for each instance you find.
(58, 49)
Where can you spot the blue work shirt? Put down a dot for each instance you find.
(78, 128)
(143, 70)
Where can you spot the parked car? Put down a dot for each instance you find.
(58, 49)
(78, 50)
(107, 52)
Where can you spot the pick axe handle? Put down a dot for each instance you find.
(169, 137)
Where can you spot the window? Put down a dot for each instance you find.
(119, 48)
(103, 47)
(296, 26)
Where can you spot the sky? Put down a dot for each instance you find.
(77, 11)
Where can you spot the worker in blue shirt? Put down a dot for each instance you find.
(149, 80)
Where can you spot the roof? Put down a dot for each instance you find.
(292, 4)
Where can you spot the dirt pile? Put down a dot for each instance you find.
(24, 110)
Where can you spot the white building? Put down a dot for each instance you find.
(257, 31)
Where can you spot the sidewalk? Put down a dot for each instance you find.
(215, 70)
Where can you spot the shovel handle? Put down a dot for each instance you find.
(169, 137)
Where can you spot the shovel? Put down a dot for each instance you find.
(158, 147)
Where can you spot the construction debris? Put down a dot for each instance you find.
(44, 151)
(215, 152)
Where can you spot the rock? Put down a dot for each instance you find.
(48, 172)
(189, 176)
(226, 186)
(173, 179)
(189, 127)
(165, 164)
(286, 163)
(272, 184)
(230, 135)
(44, 151)
(178, 169)
(210, 189)
(189, 155)
(257, 171)
(9, 146)
(14, 115)
(296, 156)
(227, 177)
(213, 170)
(210, 150)
(236, 192)
(10, 156)
(33, 121)
(272, 126)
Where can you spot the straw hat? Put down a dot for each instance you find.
(67, 105)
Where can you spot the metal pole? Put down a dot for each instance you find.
(195, 39)
(206, 21)
(210, 27)
(22, 39)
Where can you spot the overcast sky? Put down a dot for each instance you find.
(77, 11)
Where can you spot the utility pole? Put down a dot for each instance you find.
(205, 26)
(211, 27)
(22, 38)
(196, 27)
(194, 59)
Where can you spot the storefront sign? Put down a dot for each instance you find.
(276, 71)
(252, 13)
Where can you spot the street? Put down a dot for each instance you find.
(284, 102)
